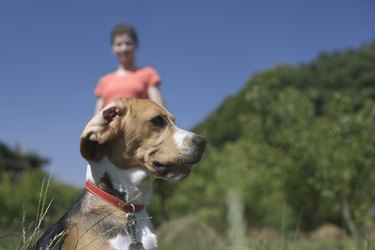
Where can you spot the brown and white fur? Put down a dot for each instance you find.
(127, 145)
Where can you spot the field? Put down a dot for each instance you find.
(188, 233)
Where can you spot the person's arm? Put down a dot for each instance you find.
(155, 95)
(99, 105)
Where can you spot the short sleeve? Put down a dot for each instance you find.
(153, 78)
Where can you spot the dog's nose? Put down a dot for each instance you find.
(200, 142)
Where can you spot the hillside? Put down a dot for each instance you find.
(348, 72)
(296, 143)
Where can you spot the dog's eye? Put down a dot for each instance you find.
(159, 121)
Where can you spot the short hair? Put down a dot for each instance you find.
(121, 29)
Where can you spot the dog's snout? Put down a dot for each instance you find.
(199, 141)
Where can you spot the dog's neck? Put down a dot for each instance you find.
(135, 183)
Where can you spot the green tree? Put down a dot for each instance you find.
(297, 142)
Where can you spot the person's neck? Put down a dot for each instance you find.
(124, 70)
(126, 67)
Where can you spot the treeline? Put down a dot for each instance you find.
(297, 143)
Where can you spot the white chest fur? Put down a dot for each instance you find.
(144, 235)
(135, 182)
(137, 185)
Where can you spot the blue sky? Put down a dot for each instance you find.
(52, 54)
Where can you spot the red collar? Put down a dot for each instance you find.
(126, 207)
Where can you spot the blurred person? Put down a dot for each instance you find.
(128, 80)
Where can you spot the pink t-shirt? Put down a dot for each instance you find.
(133, 84)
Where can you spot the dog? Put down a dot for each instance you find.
(128, 144)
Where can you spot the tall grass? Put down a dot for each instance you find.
(41, 213)
(24, 241)
(29, 235)
(190, 233)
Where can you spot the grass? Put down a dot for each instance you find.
(271, 244)
(190, 233)
(25, 237)
(12, 239)
(187, 233)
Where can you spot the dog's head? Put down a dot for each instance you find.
(139, 133)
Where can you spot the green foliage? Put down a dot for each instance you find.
(21, 197)
(297, 142)
(24, 187)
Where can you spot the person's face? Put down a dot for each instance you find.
(124, 48)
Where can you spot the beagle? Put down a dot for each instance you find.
(127, 144)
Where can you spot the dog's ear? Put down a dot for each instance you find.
(102, 128)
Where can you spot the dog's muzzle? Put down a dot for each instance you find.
(190, 155)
